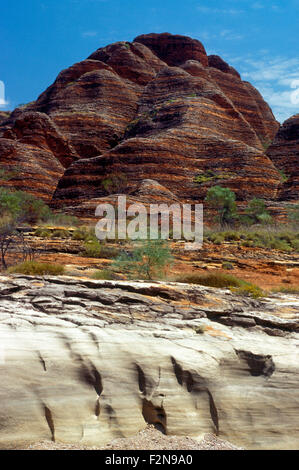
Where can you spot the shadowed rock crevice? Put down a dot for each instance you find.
(178, 371)
(50, 421)
(91, 375)
(258, 364)
(141, 380)
(214, 412)
(97, 408)
(42, 361)
(154, 415)
(196, 384)
(110, 415)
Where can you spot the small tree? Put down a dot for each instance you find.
(224, 201)
(7, 234)
(148, 259)
(17, 207)
(32, 210)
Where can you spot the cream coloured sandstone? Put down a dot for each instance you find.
(90, 361)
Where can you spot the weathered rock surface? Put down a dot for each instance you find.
(36, 171)
(3, 116)
(89, 361)
(158, 108)
(174, 49)
(284, 152)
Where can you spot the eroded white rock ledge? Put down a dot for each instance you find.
(89, 361)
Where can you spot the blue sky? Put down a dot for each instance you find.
(39, 38)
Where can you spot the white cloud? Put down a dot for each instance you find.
(280, 69)
(89, 34)
(276, 8)
(257, 6)
(221, 11)
(225, 34)
(277, 78)
(230, 35)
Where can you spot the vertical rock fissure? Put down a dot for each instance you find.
(50, 421)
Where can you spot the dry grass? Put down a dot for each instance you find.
(35, 268)
(222, 280)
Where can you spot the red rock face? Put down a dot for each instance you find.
(156, 109)
(132, 61)
(91, 104)
(35, 170)
(248, 101)
(174, 49)
(284, 152)
(36, 153)
(217, 63)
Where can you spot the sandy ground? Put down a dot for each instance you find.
(147, 439)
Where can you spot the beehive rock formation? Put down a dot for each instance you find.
(284, 152)
(35, 153)
(157, 108)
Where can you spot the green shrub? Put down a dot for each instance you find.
(227, 266)
(202, 178)
(289, 237)
(220, 280)
(231, 235)
(217, 238)
(265, 219)
(249, 290)
(260, 237)
(224, 201)
(42, 233)
(92, 249)
(35, 268)
(148, 260)
(117, 182)
(85, 234)
(295, 244)
(281, 245)
(16, 208)
(79, 235)
(60, 233)
(293, 214)
(104, 274)
(257, 212)
(210, 175)
(247, 243)
(109, 252)
(63, 220)
(265, 143)
(283, 177)
(286, 289)
(245, 220)
(22, 206)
